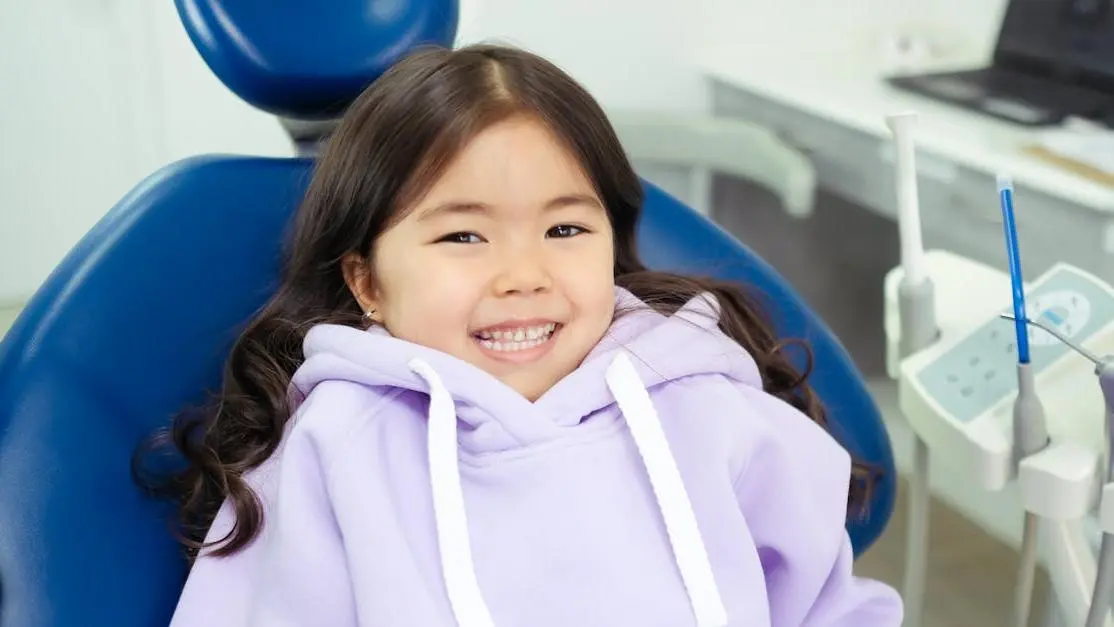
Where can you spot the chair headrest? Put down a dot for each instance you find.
(309, 59)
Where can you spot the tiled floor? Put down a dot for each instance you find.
(971, 574)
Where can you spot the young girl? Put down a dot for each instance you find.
(470, 404)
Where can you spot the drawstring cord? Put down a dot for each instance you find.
(673, 501)
(448, 506)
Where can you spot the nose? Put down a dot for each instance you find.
(522, 273)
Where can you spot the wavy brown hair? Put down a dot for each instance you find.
(389, 147)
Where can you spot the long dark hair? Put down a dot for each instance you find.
(389, 147)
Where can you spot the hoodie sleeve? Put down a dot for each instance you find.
(793, 493)
(295, 572)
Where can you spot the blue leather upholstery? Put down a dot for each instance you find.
(310, 58)
(135, 322)
(132, 326)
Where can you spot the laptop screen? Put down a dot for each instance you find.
(1063, 35)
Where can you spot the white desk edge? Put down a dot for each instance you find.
(845, 85)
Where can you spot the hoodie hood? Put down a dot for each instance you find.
(473, 410)
(494, 416)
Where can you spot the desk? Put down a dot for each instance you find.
(832, 104)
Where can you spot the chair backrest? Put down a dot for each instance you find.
(135, 323)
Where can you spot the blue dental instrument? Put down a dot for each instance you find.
(1005, 197)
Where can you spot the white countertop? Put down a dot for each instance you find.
(845, 85)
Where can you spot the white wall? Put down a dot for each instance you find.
(69, 121)
(198, 114)
(628, 53)
(97, 96)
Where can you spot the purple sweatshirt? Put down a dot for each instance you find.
(658, 485)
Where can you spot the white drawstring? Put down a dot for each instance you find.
(448, 505)
(680, 521)
(673, 500)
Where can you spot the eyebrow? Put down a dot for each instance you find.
(457, 206)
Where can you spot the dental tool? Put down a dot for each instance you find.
(1030, 431)
(1104, 368)
(917, 310)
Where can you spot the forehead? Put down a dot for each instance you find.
(516, 163)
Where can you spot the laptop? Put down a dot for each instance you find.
(1054, 59)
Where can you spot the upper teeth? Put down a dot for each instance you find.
(521, 334)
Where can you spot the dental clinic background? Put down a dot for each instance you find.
(110, 90)
(97, 94)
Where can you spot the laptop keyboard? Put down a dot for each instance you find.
(1016, 96)
(1038, 91)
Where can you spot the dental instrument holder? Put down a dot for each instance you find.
(917, 313)
(957, 396)
(919, 330)
(1103, 592)
(1030, 430)
(916, 292)
(917, 306)
(1030, 436)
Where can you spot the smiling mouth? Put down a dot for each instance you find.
(512, 340)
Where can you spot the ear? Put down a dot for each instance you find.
(357, 275)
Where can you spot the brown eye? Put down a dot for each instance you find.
(461, 238)
(565, 230)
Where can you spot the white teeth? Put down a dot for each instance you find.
(516, 339)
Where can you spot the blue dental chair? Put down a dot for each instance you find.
(135, 323)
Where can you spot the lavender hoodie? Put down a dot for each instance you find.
(657, 485)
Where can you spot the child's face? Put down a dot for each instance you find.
(506, 263)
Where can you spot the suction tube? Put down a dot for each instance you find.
(908, 205)
(1030, 433)
(1103, 592)
(1104, 575)
(917, 307)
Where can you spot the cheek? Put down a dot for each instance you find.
(602, 302)
(428, 303)
(590, 283)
